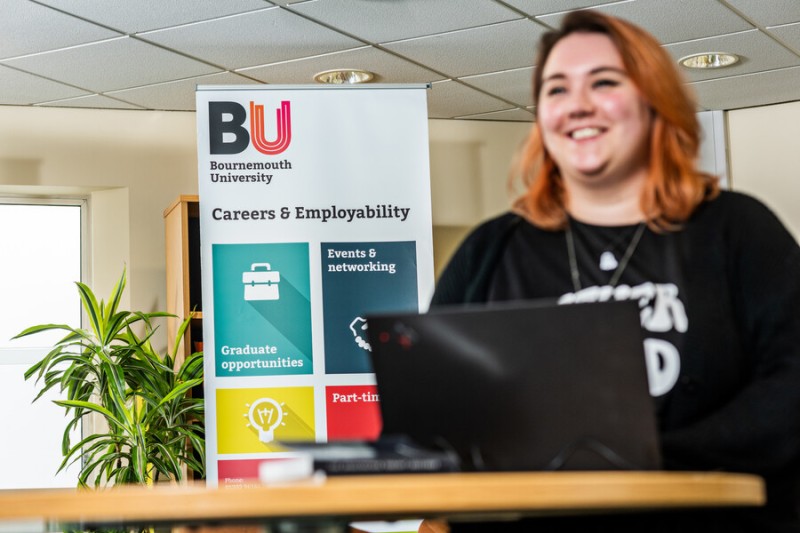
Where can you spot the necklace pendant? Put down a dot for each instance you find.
(608, 261)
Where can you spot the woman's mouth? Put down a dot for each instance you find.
(585, 133)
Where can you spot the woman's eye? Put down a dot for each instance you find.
(605, 83)
(552, 91)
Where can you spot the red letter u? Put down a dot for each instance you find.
(284, 126)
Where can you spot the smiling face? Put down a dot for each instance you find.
(594, 122)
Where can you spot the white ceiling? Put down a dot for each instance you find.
(151, 54)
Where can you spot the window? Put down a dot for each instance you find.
(40, 259)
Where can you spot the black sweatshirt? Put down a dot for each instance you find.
(720, 301)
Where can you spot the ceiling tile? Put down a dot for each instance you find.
(20, 88)
(673, 21)
(448, 99)
(409, 18)
(252, 39)
(757, 51)
(788, 35)
(65, 50)
(748, 90)
(543, 7)
(114, 64)
(143, 15)
(93, 101)
(771, 13)
(475, 51)
(387, 67)
(176, 95)
(29, 28)
(513, 85)
(510, 115)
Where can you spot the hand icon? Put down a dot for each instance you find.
(359, 326)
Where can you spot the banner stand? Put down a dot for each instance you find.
(314, 212)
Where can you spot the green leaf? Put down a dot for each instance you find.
(40, 328)
(92, 308)
(180, 390)
(179, 337)
(192, 367)
(116, 294)
(109, 416)
(114, 324)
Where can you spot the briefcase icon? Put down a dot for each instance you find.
(261, 283)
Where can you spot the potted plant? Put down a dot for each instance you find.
(155, 425)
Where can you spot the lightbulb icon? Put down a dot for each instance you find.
(265, 415)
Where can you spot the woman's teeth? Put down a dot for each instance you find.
(585, 133)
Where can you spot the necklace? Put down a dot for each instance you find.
(608, 261)
(573, 260)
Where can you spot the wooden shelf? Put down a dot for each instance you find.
(184, 298)
(184, 295)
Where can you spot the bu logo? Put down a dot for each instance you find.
(228, 135)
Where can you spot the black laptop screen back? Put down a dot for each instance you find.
(520, 387)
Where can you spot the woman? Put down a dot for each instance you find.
(614, 208)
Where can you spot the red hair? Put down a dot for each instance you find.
(674, 187)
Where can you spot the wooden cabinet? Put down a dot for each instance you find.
(184, 295)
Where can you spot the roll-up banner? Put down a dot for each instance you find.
(315, 211)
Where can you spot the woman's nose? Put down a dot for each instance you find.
(580, 104)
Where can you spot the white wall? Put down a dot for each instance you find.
(470, 163)
(713, 156)
(764, 152)
(131, 164)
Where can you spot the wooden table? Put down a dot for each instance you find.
(346, 498)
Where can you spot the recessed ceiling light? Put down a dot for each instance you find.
(709, 60)
(344, 75)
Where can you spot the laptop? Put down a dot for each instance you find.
(519, 386)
